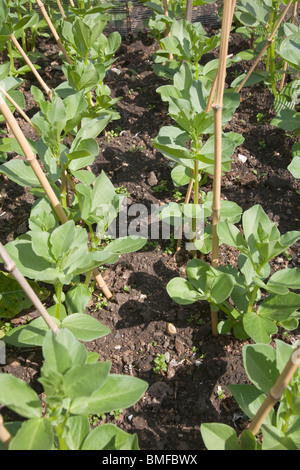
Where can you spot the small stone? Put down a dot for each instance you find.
(242, 158)
(152, 180)
(171, 329)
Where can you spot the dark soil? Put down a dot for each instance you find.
(177, 401)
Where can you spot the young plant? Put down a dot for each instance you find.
(76, 384)
(254, 302)
(275, 377)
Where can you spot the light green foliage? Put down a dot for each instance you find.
(280, 430)
(75, 385)
(250, 312)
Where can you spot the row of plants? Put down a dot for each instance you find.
(74, 208)
(253, 302)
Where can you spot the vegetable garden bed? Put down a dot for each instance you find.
(188, 372)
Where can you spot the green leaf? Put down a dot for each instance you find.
(231, 235)
(260, 365)
(12, 297)
(19, 396)
(61, 239)
(259, 328)
(110, 437)
(77, 298)
(182, 291)
(35, 434)
(278, 307)
(250, 399)
(290, 50)
(84, 327)
(118, 392)
(62, 351)
(29, 335)
(219, 437)
(26, 260)
(274, 439)
(78, 429)
(83, 380)
(289, 278)
(222, 288)
(294, 167)
(127, 244)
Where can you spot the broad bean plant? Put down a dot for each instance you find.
(280, 430)
(75, 385)
(255, 303)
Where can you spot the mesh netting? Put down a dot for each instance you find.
(128, 17)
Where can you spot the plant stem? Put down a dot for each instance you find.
(13, 70)
(58, 293)
(196, 201)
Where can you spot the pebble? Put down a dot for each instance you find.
(242, 158)
(152, 180)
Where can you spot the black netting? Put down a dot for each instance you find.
(128, 17)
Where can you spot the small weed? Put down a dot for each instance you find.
(260, 118)
(177, 195)
(160, 364)
(122, 190)
(221, 393)
(262, 144)
(126, 289)
(171, 248)
(101, 302)
(135, 149)
(160, 188)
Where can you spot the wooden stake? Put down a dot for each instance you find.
(217, 107)
(267, 44)
(10, 266)
(189, 10)
(54, 32)
(20, 110)
(276, 392)
(5, 437)
(30, 64)
(62, 11)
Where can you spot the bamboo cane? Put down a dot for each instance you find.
(32, 160)
(72, 3)
(276, 391)
(166, 12)
(267, 44)
(217, 107)
(62, 11)
(189, 10)
(5, 437)
(20, 110)
(10, 266)
(30, 64)
(54, 32)
(285, 65)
